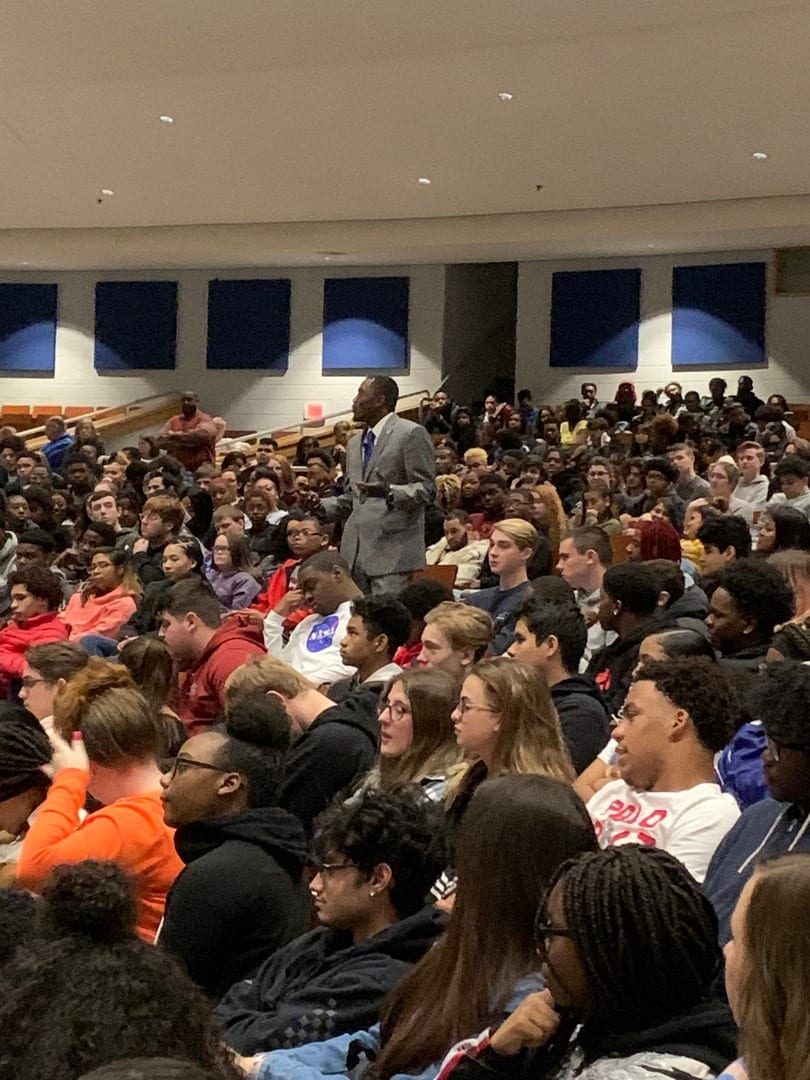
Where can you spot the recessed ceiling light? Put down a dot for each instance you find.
(504, 95)
(25, 264)
(759, 156)
(650, 245)
(164, 119)
(107, 191)
(424, 180)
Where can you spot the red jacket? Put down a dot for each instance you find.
(202, 687)
(19, 636)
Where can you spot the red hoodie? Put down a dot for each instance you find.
(202, 687)
(19, 636)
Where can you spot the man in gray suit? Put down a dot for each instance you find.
(390, 479)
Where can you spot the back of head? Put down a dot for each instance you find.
(421, 596)
(399, 828)
(791, 528)
(259, 734)
(264, 674)
(726, 531)
(645, 935)
(634, 586)
(117, 723)
(775, 974)
(194, 596)
(24, 749)
(57, 660)
(684, 643)
(553, 589)
(149, 663)
(93, 900)
(18, 922)
(668, 577)
(703, 690)
(91, 993)
(779, 696)
(324, 562)
(659, 539)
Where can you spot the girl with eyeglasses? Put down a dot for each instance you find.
(107, 600)
(116, 742)
(417, 744)
(627, 948)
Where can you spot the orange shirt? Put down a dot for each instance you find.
(130, 831)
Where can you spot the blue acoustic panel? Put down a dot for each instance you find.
(28, 327)
(136, 325)
(249, 324)
(365, 323)
(718, 315)
(594, 319)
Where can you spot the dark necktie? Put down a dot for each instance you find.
(368, 449)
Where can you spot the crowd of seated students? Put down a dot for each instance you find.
(262, 816)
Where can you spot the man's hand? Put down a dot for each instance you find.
(373, 491)
(289, 602)
(309, 500)
(140, 545)
(532, 1024)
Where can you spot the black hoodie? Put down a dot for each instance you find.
(240, 897)
(583, 718)
(336, 750)
(612, 667)
(323, 985)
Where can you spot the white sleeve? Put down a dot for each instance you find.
(274, 635)
(698, 831)
(609, 752)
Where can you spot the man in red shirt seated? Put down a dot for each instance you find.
(36, 595)
(190, 435)
(205, 649)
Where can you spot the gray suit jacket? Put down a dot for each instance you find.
(387, 536)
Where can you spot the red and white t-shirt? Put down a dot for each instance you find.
(688, 824)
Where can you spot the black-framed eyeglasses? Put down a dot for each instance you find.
(544, 935)
(28, 681)
(776, 746)
(181, 764)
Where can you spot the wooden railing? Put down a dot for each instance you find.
(116, 420)
(287, 437)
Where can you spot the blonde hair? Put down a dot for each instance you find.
(448, 489)
(521, 532)
(476, 455)
(775, 975)
(265, 673)
(465, 627)
(530, 739)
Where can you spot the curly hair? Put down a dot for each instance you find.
(779, 696)
(151, 1068)
(90, 993)
(400, 828)
(41, 583)
(703, 690)
(645, 934)
(659, 540)
(759, 591)
(18, 915)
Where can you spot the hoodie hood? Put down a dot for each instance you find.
(577, 684)
(275, 831)
(352, 712)
(705, 1033)
(236, 628)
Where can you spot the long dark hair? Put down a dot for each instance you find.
(518, 829)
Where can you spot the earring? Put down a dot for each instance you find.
(615, 611)
(372, 893)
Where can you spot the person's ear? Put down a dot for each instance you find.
(60, 685)
(278, 696)
(229, 784)
(380, 879)
(680, 725)
(663, 598)
(380, 643)
(730, 553)
(467, 656)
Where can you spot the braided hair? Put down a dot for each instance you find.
(24, 749)
(645, 935)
